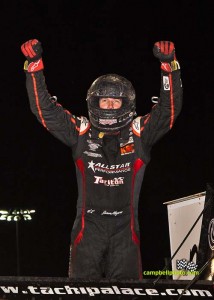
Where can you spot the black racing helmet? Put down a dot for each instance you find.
(111, 86)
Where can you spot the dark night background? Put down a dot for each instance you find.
(83, 40)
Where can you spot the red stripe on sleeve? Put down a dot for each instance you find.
(172, 118)
(37, 101)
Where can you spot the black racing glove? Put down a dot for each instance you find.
(165, 52)
(32, 50)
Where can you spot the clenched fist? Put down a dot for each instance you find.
(165, 52)
(32, 50)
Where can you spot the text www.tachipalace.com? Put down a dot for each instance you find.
(170, 273)
(107, 290)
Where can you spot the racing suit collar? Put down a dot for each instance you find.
(97, 135)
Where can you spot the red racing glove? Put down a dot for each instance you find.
(165, 52)
(32, 50)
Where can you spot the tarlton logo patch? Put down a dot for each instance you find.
(109, 182)
(109, 169)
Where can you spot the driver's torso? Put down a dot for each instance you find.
(109, 173)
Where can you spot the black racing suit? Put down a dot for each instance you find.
(110, 168)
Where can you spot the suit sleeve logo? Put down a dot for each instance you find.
(166, 85)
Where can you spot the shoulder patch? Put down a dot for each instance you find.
(136, 126)
(84, 125)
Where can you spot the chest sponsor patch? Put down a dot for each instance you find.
(92, 154)
(93, 146)
(127, 149)
(109, 182)
(109, 169)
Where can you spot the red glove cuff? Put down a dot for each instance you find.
(170, 67)
(33, 66)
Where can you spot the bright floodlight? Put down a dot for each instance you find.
(16, 215)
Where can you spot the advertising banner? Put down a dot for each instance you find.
(63, 288)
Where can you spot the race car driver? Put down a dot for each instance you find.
(111, 151)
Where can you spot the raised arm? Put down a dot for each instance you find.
(163, 114)
(57, 120)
